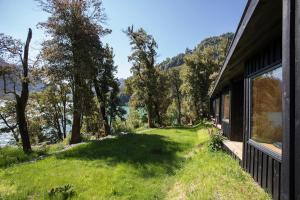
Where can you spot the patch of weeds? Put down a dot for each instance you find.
(216, 141)
(62, 192)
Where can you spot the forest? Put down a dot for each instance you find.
(70, 90)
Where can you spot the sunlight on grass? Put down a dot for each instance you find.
(156, 164)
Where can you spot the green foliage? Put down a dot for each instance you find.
(62, 192)
(174, 111)
(8, 118)
(202, 64)
(122, 126)
(134, 119)
(147, 86)
(216, 141)
(174, 61)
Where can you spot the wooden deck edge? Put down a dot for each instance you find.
(227, 150)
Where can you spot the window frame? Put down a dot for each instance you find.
(226, 92)
(258, 145)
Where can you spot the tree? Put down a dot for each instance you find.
(53, 105)
(74, 26)
(11, 48)
(202, 64)
(145, 76)
(114, 104)
(104, 82)
(175, 85)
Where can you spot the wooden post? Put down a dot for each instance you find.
(297, 98)
(290, 183)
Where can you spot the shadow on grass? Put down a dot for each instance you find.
(193, 128)
(135, 149)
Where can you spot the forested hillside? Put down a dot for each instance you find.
(179, 59)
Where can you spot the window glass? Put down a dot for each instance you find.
(226, 106)
(266, 123)
(217, 106)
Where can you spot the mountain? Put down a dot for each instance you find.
(178, 60)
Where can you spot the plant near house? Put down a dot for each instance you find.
(216, 141)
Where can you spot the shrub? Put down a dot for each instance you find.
(122, 126)
(62, 192)
(216, 141)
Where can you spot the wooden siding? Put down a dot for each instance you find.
(264, 168)
(263, 165)
(264, 59)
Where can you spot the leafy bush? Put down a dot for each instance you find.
(62, 192)
(122, 126)
(134, 119)
(216, 141)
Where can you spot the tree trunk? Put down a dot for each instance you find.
(106, 127)
(150, 118)
(105, 121)
(75, 137)
(60, 134)
(158, 116)
(179, 112)
(21, 101)
(64, 122)
(22, 124)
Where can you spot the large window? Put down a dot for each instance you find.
(226, 107)
(266, 120)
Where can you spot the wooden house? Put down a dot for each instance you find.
(256, 97)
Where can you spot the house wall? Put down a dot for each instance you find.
(263, 164)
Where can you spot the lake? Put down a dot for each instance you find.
(6, 139)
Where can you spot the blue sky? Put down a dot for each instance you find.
(175, 24)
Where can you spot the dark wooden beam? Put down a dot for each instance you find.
(289, 103)
(297, 99)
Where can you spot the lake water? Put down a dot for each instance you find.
(6, 139)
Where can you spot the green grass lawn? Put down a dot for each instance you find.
(155, 164)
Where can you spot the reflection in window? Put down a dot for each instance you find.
(267, 109)
(226, 106)
(217, 106)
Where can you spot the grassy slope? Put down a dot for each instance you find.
(14, 155)
(155, 164)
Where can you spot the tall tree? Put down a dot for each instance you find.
(104, 81)
(11, 48)
(176, 94)
(145, 75)
(73, 26)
